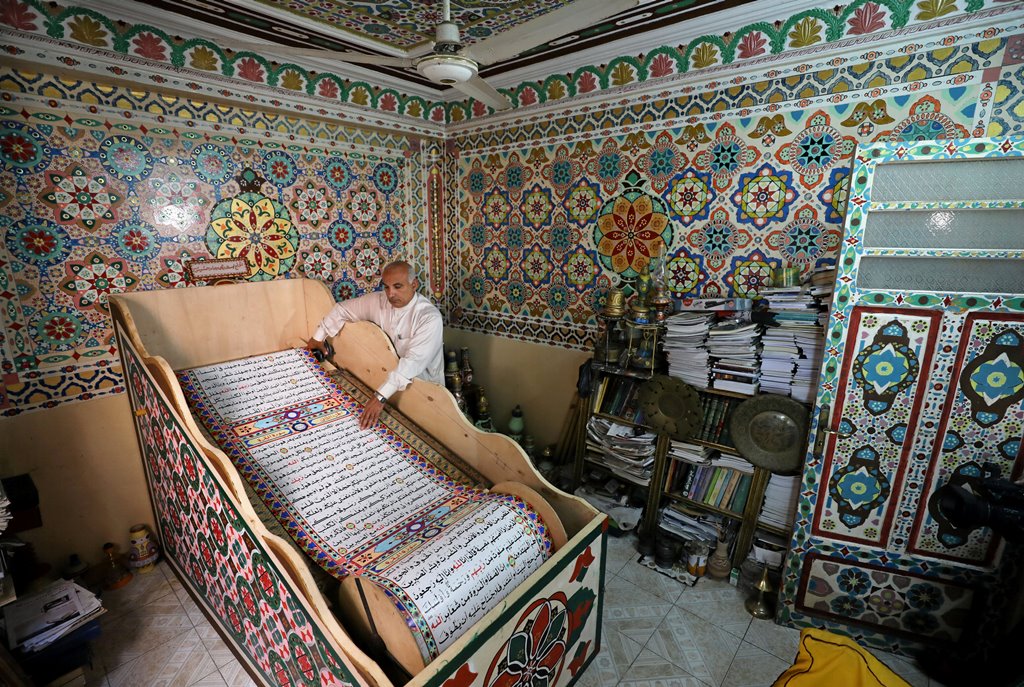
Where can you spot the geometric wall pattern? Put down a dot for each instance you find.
(95, 203)
(537, 217)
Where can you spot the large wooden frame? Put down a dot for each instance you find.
(255, 586)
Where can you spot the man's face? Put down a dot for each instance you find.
(398, 287)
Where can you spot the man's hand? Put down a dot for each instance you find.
(371, 412)
(315, 345)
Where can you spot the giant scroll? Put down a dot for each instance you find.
(380, 505)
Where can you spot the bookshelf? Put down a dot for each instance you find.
(726, 484)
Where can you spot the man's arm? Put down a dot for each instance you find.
(352, 310)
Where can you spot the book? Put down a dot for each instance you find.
(730, 489)
(713, 487)
(739, 497)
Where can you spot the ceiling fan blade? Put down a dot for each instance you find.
(562, 22)
(484, 92)
(337, 55)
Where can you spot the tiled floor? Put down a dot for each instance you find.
(656, 633)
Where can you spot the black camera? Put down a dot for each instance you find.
(989, 502)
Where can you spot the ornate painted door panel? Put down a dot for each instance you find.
(922, 383)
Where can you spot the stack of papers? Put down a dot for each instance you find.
(735, 349)
(686, 347)
(36, 621)
(690, 525)
(791, 359)
(627, 452)
(690, 453)
(780, 501)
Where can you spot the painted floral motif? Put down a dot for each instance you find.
(172, 273)
(125, 158)
(311, 204)
(212, 164)
(764, 195)
(691, 195)
(717, 239)
(728, 155)
(385, 177)
(580, 269)
(280, 169)
(344, 289)
(91, 280)
(338, 174)
(536, 206)
(80, 198)
(608, 165)
(994, 380)
(683, 275)
(256, 228)
(835, 196)
(477, 180)
(363, 205)
(631, 229)
(924, 597)
(496, 207)
(389, 234)
(59, 329)
(750, 274)
(366, 260)
(496, 263)
(136, 241)
(515, 176)
(560, 237)
(176, 202)
(23, 149)
(859, 487)
(562, 171)
(536, 265)
(885, 368)
(886, 601)
(516, 293)
(557, 298)
(661, 161)
(582, 203)
(816, 149)
(853, 581)
(534, 654)
(804, 240)
(925, 123)
(317, 262)
(40, 242)
(342, 235)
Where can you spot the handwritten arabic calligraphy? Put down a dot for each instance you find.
(365, 502)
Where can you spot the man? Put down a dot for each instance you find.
(409, 319)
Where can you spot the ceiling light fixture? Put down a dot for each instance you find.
(447, 69)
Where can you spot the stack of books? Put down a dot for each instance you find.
(717, 410)
(735, 349)
(780, 501)
(821, 283)
(791, 359)
(628, 452)
(724, 482)
(36, 621)
(690, 453)
(620, 397)
(685, 347)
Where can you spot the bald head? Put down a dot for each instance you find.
(399, 283)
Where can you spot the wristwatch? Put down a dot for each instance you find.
(381, 398)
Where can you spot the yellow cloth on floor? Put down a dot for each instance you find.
(826, 659)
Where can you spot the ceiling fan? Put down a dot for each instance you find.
(449, 63)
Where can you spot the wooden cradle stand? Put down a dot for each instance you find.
(256, 586)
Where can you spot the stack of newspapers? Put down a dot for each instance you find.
(38, 620)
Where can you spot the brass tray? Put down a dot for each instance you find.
(770, 431)
(671, 406)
